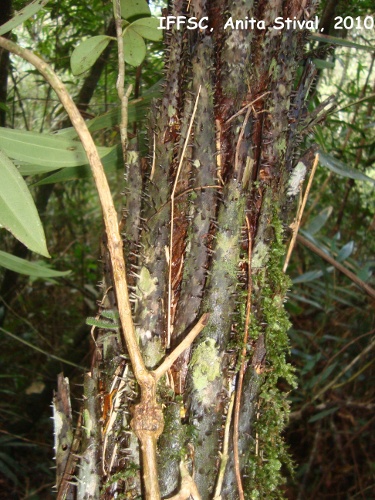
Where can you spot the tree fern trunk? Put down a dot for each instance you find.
(230, 191)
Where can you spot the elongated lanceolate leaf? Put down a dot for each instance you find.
(18, 213)
(322, 414)
(316, 224)
(134, 8)
(85, 55)
(107, 160)
(23, 266)
(333, 40)
(23, 15)
(309, 276)
(345, 252)
(45, 150)
(112, 162)
(338, 167)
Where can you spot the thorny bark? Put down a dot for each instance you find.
(240, 156)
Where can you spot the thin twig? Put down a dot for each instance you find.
(180, 195)
(153, 159)
(113, 412)
(169, 312)
(296, 224)
(245, 107)
(188, 340)
(241, 373)
(242, 132)
(38, 349)
(120, 84)
(188, 488)
(224, 456)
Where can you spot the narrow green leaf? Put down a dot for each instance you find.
(23, 266)
(50, 151)
(131, 9)
(318, 222)
(309, 276)
(38, 349)
(134, 47)
(23, 15)
(85, 55)
(340, 41)
(301, 298)
(345, 252)
(338, 167)
(322, 414)
(147, 27)
(111, 162)
(18, 213)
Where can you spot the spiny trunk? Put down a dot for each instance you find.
(225, 191)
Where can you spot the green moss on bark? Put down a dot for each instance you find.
(268, 453)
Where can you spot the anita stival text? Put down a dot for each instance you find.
(193, 23)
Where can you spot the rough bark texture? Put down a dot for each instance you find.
(236, 168)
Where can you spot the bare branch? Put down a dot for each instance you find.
(188, 340)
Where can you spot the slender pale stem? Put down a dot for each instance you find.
(188, 340)
(120, 85)
(169, 313)
(241, 374)
(150, 472)
(301, 209)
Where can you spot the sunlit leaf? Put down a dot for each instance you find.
(147, 27)
(18, 213)
(43, 150)
(85, 55)
(338, 167)
(22, 15)
(345, 252)
(23, 266)
(134, 47)
(131, 9)
(319, 221)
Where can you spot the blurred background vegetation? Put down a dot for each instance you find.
(332, 338)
